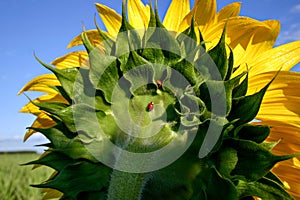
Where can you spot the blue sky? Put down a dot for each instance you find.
(46, 27)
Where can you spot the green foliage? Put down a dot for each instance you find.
(14, 178)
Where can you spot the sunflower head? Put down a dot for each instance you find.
(155, 114)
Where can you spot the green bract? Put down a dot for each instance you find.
(196, 142)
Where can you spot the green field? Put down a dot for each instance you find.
(15, 179)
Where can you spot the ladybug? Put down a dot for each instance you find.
(159, 83)
(150, 106)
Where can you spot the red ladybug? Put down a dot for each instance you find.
(159, 83)
(150, 106)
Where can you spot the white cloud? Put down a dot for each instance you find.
(291, 33)
(295, 9)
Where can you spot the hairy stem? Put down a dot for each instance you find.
(126, 186)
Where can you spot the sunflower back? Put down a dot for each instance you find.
(155, 115)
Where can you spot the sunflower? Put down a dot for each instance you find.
(251, 42)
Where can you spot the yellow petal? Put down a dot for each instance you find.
(204, 12)
(289, 170)
(41, 84)
(33, 109)
(239, 32)
(280, 58)
(42, 121)
(241, 29)
(288, 136)
(93, 36)
(175, 14)
(296, 162)
(138, 14)
(290, 174)
(231, 10)
(261, 41)
(71, 60)
(282, 99)
(111, 19)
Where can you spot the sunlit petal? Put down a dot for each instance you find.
(110, 18)
(239, 32)
(138, 14)
(176, 12)
(42, 121)
(204, 11)
(71, 60)
(32, 108)
(231, 10)
(261, 41)
(41, 84)
(280, 58)
(93, 36)
(282, 99)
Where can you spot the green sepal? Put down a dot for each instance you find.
(159, 24)
(125, 26)
(254, 161)
(134, 60)
(85, 92)
(202, 41)
(107, 42)
(86, 42)
(66, 77)
(153, 53)
(219, 91)
(65, 114)
(225, 161)
(188, 40)
(63, 93)
(152, 21)
(66, 142)
(51, 107)
(210, 136)
(103, 72)
(127, 41)
(186, 69)
(159, 41)
(246, 108)
(89, 177)
(219, 56)
(241, 89)
(269, 145)
(264, 188)
(190, 31)
(230, 64)
(52, 159)
(128, 38)
(210, 180)
(255, 133)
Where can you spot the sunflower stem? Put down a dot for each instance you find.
(126, 186)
